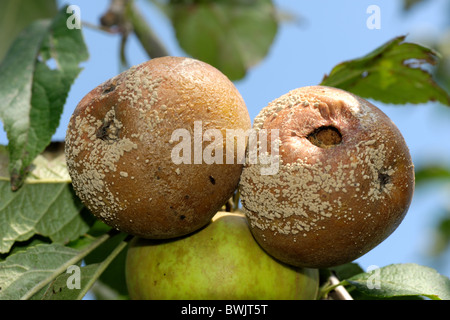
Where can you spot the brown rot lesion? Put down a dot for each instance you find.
(384, 180)
(109, 86)
(110, 128)
(108, 131)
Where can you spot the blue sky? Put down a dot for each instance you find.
(326, 33)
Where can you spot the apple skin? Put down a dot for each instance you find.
(345, 180)
(221, 261)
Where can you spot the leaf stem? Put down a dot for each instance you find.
(146, 36)
(336, 286)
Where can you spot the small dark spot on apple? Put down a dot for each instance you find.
(294, 134)
(186, 196)
(109, 88)
(174, 211)
(182, 217)
(213, 181)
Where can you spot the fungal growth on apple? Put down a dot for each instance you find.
(119, 147)
(220, 261)
(345, 179)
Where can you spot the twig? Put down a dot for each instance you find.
(149, 40)
(339, 292)
(99, 27)
(123, 17)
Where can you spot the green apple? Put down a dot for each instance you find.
(220, 261)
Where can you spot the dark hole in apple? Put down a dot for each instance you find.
(383, 178)
(325, 137)
(108, 132)
(213, 181)
(109, 88)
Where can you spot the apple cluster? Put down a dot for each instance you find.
(343, 182)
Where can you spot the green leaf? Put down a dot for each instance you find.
(48, 209)
(347, 270)
(45, 205)
(16, 79)
(22, 272)
(393, 73)
(399, 280)
(71, 285)
(230, 35)
(76, 282)
(408, 4)
(442, 235)
(114, 276)
(34, 88)
(17, 14)
(27, 273)
(432, 173)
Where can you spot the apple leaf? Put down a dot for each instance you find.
(432, 172)
(21, 272)
(230, 35)
(402, 280)
(45, 205)
(35, 78)
(27, 273)
(67, 287)
(408, 4)
(113, 278)
(76, 282)
(17, 14)
(393, 73)
(347, 270)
